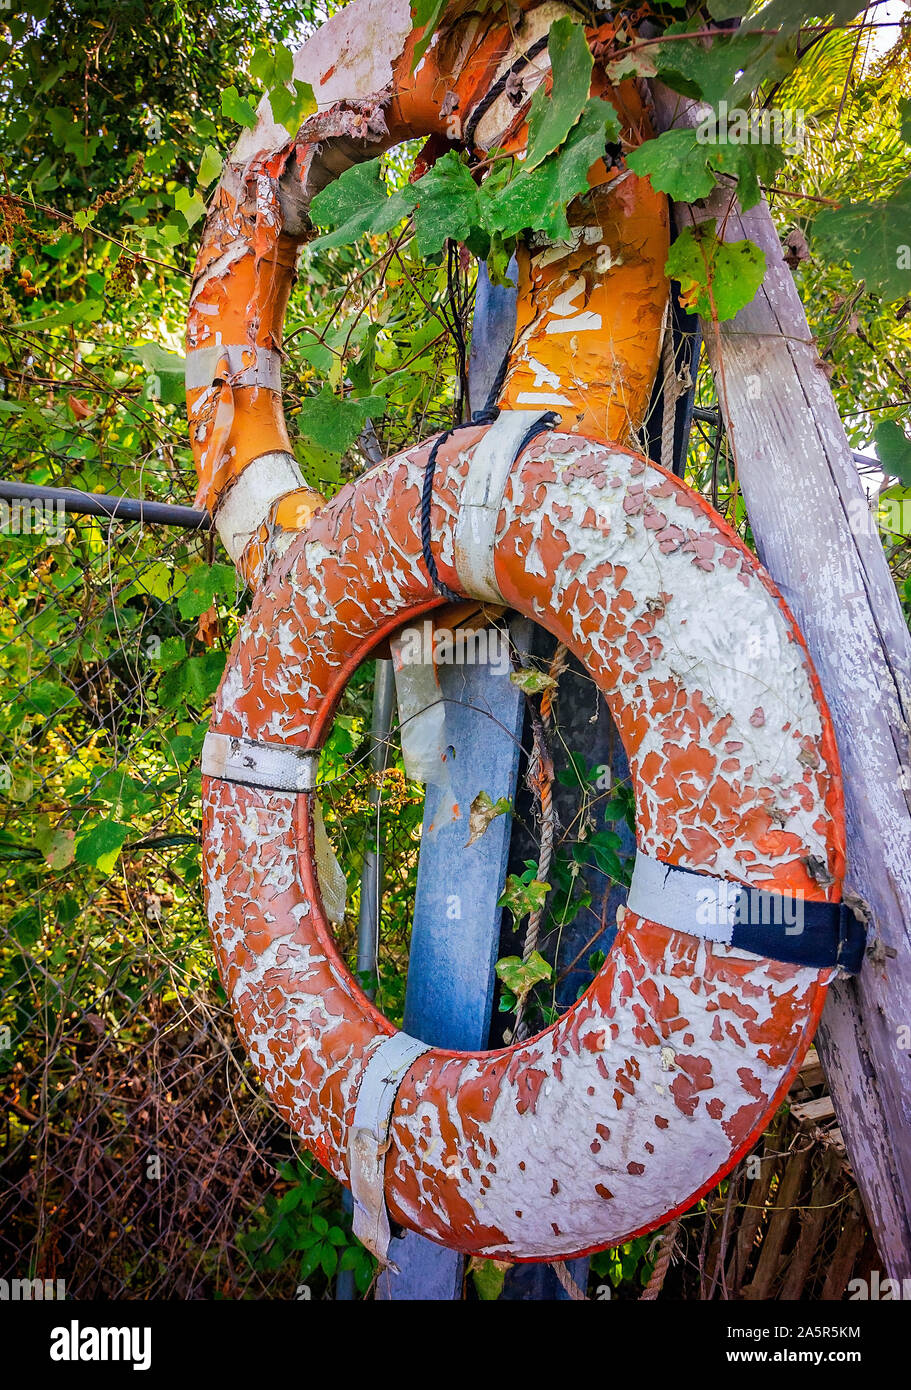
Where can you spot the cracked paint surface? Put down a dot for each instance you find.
(655, 1082)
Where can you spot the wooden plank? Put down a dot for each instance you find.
(809, 517)
(850, 1244)
(492, 329)
(814, 1112)
(811, 1072)
(780, 1218)
(812, 1223)
(457, 922)
(754, 1208)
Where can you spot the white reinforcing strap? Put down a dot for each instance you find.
(701, 904)
(384, 1073)
(482, 499)
(674, 898)
(248, 502)
(209, 364)
(275, 766)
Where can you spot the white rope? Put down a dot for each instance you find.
(567, 1282)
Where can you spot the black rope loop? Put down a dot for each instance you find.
(486, 416)
(498, 88)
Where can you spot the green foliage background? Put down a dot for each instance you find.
(114, 119)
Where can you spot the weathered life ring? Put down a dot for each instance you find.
(663, 1074)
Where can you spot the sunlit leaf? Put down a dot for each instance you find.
(874, 238)
(555, 111)
(236, 108)
(717, 278)
(102, 844)
(482, 811)
(358, 204)
(521, 976)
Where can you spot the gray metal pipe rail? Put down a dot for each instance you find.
(100, 504)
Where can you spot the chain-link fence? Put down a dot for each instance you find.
(140, 1156)
(136, 1145)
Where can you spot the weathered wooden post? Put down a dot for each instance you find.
(814, 533)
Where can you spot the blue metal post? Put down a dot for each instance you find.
(456, 928)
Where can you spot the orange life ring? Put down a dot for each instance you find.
(663, 1074)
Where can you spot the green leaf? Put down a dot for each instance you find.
(25, 925)
(748, 162)
(271, 64)
(697, 70)
(316, 354)
(335, 422)
(532, 681)
(292, 105)
(357, 204)
(193, 681)
(165, 380)
(158, 581)
(83, 311)
(520, 976)
(681, 163)
(173, 649)
(728, 9)
(447, 204)
(209, 166)
(488, 1277)
(874, 238)
(716, 278)
(482, 811)
(523, 897)
(48, 697)
(102, 844)
(893, 511)
(537, 198)
(191, 206)
(904, 115)
(676, 164)
(602, 846)
(894, 449)
(290, 1200)
(58, 850)
(554, 113)
(205, 584)
(236, 108)
(426, 15)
